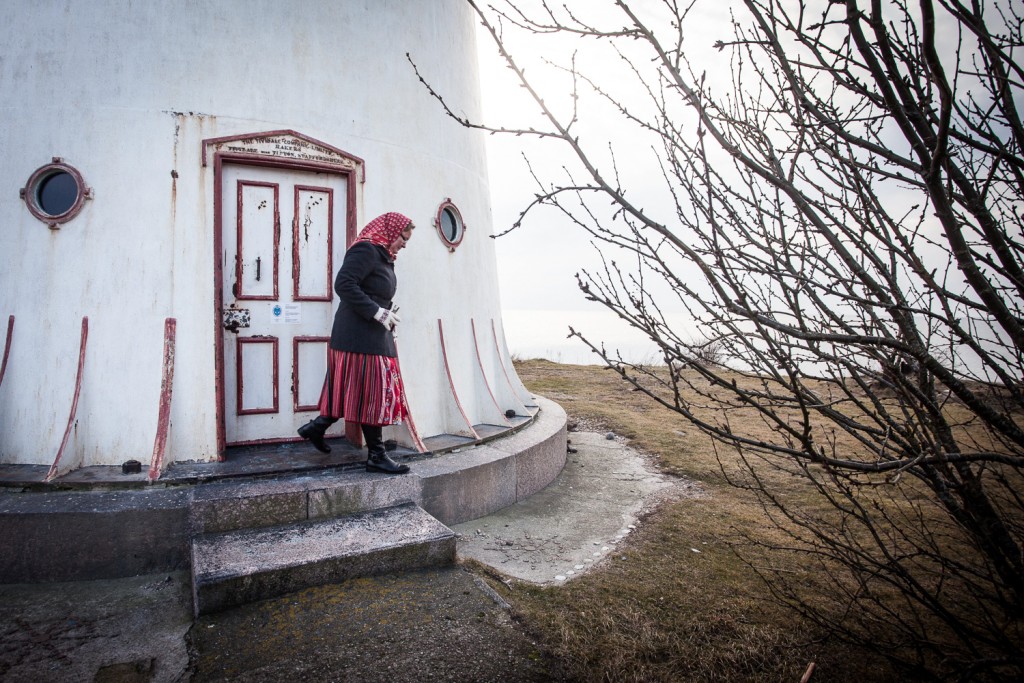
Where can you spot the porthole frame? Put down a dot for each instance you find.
(448, 206)
(30, 193)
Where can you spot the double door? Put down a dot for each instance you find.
(283, 234)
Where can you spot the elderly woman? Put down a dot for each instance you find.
(363, 384)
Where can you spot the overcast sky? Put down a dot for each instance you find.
(537, 262)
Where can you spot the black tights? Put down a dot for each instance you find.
(372, 434)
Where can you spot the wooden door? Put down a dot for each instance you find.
(283, 234)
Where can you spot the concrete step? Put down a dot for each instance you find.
(250, 503)
(235, 567)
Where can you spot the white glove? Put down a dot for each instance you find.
(388, 319)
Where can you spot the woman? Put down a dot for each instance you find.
(363, 384)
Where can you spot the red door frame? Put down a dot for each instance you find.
(221, 158)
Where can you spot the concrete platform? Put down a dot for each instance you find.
(99, 532)
(577, 522)
(237, 567)
(441, 624)
(244, 461)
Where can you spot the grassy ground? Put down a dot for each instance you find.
(667, 613)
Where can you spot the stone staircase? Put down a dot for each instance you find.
(257, 539)
(231, 568)
(252, 534)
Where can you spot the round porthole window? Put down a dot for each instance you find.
(449, 224)
(55, 193)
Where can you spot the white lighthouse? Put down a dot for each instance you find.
(180, 181)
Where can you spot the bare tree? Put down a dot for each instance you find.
(844, 223)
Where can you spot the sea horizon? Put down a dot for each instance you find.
(544, 334)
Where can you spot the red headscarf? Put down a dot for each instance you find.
(384, 230)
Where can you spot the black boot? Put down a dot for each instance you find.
(314, 432)
(377, 458)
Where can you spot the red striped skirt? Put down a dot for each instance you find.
(363, 388)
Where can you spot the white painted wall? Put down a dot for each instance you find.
(126, 93)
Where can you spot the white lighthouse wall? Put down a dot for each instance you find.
(127, 93)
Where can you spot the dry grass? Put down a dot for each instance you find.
(660, 611)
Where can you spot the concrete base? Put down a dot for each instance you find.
(80, 536)
(236, 567)
(441, 624)
(99, 534)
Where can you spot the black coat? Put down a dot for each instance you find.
(366, 281)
